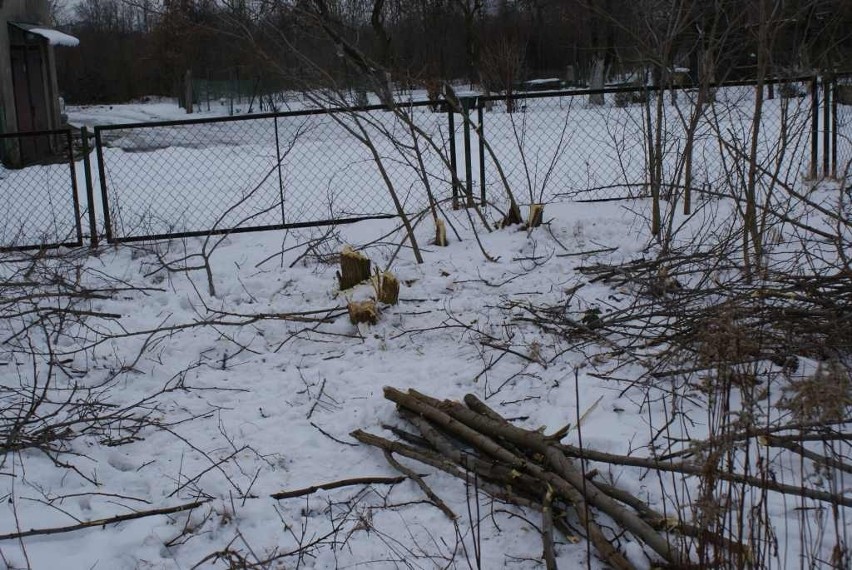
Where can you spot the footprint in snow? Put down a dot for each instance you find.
(120, 462)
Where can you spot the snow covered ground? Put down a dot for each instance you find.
(247, 403)
(149, 110)
(249, 392)
(267, 406)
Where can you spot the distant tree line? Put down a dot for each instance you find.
(134, 48)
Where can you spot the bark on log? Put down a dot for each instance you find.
(536, 216)
(439, 462)
(547, 530)
(363, 312)
(430, 494)
(698, 471)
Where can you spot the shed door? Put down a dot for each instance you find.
(30, 99)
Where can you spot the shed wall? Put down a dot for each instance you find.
(30, 12)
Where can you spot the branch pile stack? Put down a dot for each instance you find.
(472, 442)
(790, 314)
(523, 467)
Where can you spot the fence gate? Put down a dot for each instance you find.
(270, 171)
(41, 206)
(841, 146)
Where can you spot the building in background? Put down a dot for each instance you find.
(29, 94)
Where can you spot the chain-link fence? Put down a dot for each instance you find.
(269, 171)
(549, 146)
(38, 185)
(842, 106)
(321, 166)
(617, 143)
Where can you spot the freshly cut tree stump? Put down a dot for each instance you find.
(440, 233)
(387, 288)
(536, 215)
(363, 312)
(354, 268)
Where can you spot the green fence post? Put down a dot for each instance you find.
(467, 103)
(451, 125)
(481, 116)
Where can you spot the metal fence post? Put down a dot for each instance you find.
(79, 225)
(99, 148)
(826, 126)
(451, 123)
(814, 127)
(280, 179)
(90, 190)
(834, 127)
(466, 103)
(480, 116)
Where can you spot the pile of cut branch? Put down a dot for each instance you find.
(472, 441)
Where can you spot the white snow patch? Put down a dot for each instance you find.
(55, 37)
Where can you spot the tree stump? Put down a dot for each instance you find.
(440, 233)
(536, 215)
(363, 312)
(387, 288)
(354, 268)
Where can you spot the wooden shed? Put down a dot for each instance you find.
(29, 95)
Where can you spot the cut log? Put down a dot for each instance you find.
(563, 488)
(534, 470)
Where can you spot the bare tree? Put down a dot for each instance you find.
(502, 66)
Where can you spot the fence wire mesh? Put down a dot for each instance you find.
(291, 169)
(614, 144)
(560, 146)
(739, 131)
(38, 187)
(323, 166)
(843, 109)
